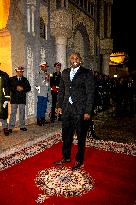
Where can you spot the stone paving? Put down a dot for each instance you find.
(107, 128)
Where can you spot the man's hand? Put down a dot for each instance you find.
(19, 88)
(87, 117)
(5, 104)
(59, 111)
(38, 88)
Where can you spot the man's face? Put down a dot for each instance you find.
(75, 60)
(19, 73)
(43, 68)
(57, 68)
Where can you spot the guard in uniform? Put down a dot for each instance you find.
(54, 83)
(42, 85)
(19, 87)
(4, 96)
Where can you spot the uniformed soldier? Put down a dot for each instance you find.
(42, 85)
(19, 86)
(54, 83)
(4, 96)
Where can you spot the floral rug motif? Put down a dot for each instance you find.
(62, 181)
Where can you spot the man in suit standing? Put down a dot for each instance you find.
(19, 86)
(54, 83)
(4, 97)
(75, 102)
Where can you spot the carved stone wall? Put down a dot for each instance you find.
(30, 77)
(61, 23)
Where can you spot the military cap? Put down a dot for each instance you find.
(19, 68)
(57, 64)
(44, 64)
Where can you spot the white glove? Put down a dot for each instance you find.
(38, 88)
(5, 104)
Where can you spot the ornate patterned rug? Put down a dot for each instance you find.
(28, 176)
(40, 146)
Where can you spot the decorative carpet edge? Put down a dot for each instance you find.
(31, 148)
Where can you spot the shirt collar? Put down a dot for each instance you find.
(75, 69)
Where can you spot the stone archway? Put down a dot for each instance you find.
(79, 44)
(82, 43)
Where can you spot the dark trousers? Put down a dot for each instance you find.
(54, 101)
(73, 123)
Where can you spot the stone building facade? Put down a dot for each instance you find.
(49, 30)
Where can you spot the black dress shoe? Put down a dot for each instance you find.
(77, 166)
(61, 161)
(6, 131)
(10, 130)
(23, 128)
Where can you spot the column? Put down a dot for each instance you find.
(28, 20)
(61, 43)
(109, 22)
(61, 29)
(105, 64)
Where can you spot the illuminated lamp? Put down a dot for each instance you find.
(117, 58)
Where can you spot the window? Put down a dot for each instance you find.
(85, 5)
(92, 9)
(65, 3)
(81, 3)
(42, 28)
(89, 7)
(58, 4)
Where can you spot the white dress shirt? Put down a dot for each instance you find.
(72, 74)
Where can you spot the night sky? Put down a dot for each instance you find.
(123, 26)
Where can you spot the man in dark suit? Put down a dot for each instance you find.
(4, 97)
(54, 83)
(19, 86)
(75, 102)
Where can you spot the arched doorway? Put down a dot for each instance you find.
(79, 44)
(5, 38)
(82, 44)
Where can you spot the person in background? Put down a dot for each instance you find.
(4, 97)
(19, 86)
(54, 83)
(75, 102)
(42, 85)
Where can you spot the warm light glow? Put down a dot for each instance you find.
(5, 38)
(4, 13)
(5, 52)
(117, 58)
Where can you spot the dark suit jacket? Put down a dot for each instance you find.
(15, 96)
(81, 90)
(4, 91)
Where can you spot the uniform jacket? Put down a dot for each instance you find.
(81, 90)
(17, 97)
(55, 81)
(42, 80)
(4, 94)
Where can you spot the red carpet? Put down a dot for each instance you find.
(114, 176)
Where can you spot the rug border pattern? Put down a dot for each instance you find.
(11, 159)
